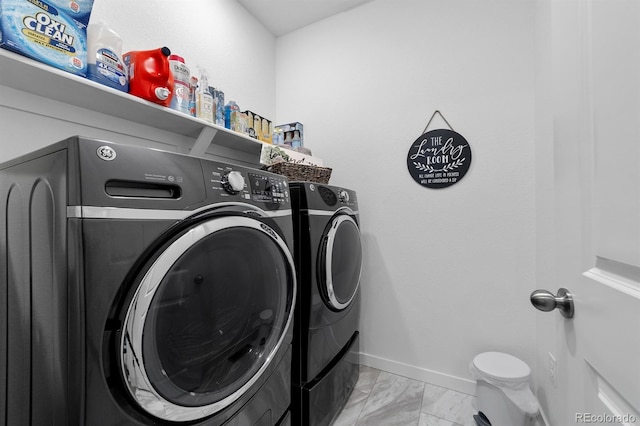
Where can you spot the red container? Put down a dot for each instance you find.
(150, 76)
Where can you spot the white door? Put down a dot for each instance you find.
(588, 183)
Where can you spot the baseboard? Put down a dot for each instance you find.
(425, 375)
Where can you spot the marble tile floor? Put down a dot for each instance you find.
(385, 399)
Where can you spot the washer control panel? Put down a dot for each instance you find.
(229, 182)
(268, 187)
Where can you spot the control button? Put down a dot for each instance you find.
(232, 182)
(343, 196)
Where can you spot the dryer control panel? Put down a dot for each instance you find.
(230, 182)
(324, 197)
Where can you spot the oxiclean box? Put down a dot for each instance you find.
(52, 32)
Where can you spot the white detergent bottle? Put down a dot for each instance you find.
(204, 98)
(182, 83)
(104, 57)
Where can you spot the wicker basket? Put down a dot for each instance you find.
(301, 172)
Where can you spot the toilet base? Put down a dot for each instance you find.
(498, 408)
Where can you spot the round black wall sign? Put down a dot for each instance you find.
(439, 158)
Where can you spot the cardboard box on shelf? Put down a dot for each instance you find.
(266, 131)
(260, 125)
(290, 127)
(50, 31)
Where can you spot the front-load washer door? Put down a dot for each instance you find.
(207, 318)
(340, 261)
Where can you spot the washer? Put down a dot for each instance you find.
(328, 255)
(143, 287)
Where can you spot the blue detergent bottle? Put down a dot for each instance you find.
(229, 108)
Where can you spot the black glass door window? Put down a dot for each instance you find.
(341, 261)
(216, 315)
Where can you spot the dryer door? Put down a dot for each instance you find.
(207, 318)
(340, 261)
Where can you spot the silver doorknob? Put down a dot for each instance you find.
(546, 301)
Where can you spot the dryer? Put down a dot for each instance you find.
(143, 287)
(328, 256)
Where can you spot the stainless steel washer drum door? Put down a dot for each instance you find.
(207, 318)
(340, 261)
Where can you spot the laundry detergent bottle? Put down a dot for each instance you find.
(204, 99)
(150, 75)
(181, 81)
(104, 57)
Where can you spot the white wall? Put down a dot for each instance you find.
(448, 272)
(222, 36)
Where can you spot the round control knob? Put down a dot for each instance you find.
(343, 196)
(232, 182)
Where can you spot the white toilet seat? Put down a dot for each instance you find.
(501, 367)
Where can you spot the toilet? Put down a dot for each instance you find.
(502, 389)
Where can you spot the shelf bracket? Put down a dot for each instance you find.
(204, 140)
